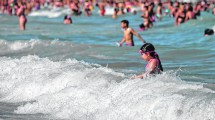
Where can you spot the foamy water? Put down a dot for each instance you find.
(57, 12)
(51, 13)
(74, 89)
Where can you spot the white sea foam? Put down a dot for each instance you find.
(188, 1)
(57, 12)
(110, 10)
(51, 13)
(213, 28)
(31, 46)
(74, 89)
(102, 57)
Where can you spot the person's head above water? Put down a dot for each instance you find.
(149, 50)
(209, 32)
(142, 27)
(124, 24)
(147, 47)
(67, 19)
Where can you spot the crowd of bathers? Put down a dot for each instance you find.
(151, 10)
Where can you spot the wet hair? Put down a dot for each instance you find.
(190, 8)
(148, 47)
(152, 4)
(171, 3)
(126, 22)
(190, 4)
(160, 4)
(155, 55)
(23, 3)
(65, 17)
(209, 32)
(146, 7)
(97, 5)
(16, 4)
(142, 25)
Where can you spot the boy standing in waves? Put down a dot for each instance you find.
(128, 34)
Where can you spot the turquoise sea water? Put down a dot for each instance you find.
(57, 71)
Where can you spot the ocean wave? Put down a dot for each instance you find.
(110, 10)
(57, 12)
(213, 27)
(32, 46)
(72, 89)
(51, 13)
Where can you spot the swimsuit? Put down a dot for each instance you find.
(103, 12)
(155, 71)
(152, 18)
(182, 18)
(130, 44)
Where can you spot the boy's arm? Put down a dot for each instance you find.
(122, 41)
(138, 35)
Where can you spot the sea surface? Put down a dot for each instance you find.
(77, 72)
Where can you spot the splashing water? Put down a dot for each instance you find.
(74, 89)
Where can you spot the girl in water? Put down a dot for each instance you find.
(146, 18)
(21, 15)
(154, 65)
